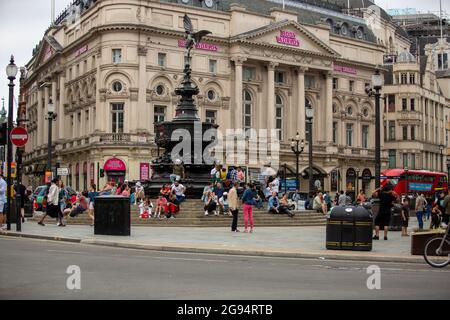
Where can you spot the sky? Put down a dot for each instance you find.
(23, 22)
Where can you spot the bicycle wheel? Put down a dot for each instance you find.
(432, 257)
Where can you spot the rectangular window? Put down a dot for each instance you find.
(404, 78)
(405, 132)
(93, 62)
(349, 134)
(78, 71)
(335, 84)
(70, 74)
(391, 130)
(249, 73)
(426, 106)
(392, 159)
(213, 66)
(211, 116)
(85, 66)
(247, 116)
(412, 78)
(442, 61)
(405, 160)
(279, 77)
(404, 104)
(279, 121)
(87, 115)
(365, 137)
(309, 81)
(413, 161)
(351, 85)
(159, 114)
(413, 104)
(335, 126)
(426, 132)
(116, 56)
(162, 59)
(117, 117)
(391, 103)
(413, 133)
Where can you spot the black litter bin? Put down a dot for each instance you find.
(112, 216)
(395, 224)
(349, 228)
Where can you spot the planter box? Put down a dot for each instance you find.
(419, 239)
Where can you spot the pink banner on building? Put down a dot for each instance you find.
(81, 50)
(115, 164)
(289, 38)
(145, 171)
(345, 69)
(200, 46)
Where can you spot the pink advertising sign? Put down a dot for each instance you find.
(145, 171)
(81, 50)
(115, 164)
(200, 46)
(289, 38)
(345, 69)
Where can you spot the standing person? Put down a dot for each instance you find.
(234, 206)
(420, 207)
(91, 195)
(342, 200)
(3, 187)
(53, 209)
(318, 202)
(361, 197)
(63, 194)
(276, 185)
(435, 216)
(22, 190)
(327, 200)
(405, 217)
(446, 212)
(387, 198)
(232, 174)
(248, 200)
(428, 207)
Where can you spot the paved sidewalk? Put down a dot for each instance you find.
(295, 242)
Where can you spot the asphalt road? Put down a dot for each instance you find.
(36, 269)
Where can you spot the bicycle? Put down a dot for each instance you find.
(437, 250)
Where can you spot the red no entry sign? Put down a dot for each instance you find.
(19, 136)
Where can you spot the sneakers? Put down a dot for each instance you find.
(206, 213)
(215, 213)
(4, 227)
(385, 238)
(376, 238)
(41, 223)
(443, 225)
(61, 224)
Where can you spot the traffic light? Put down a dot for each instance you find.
(102, 173)
(3, 134)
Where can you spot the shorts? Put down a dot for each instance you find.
(91, 205)
(75, 212)
(405, 223)
(2, 207)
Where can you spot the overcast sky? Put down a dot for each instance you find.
(23, 22)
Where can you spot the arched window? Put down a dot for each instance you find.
(279, 114)
(248, 108)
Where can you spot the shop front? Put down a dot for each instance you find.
(115, 170)
(366, 180)
(350, 183)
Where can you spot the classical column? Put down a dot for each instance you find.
(301, 114)
(238, 116)
(45, 109)
(329, 109)
(271, 111)
(143, 108)
(40, 120)
(62, 101)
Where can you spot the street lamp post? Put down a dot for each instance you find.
(309, 119)
(357, 182)
(441, 149)
(448, 171)
(51, 116)
(297, 147)
(377, 83)
(406, 176)
(11, 72)
(3, 120)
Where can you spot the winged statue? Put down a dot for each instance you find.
(192, 39)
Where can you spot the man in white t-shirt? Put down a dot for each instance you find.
(276, 185)
(3, 188)
(179, 190)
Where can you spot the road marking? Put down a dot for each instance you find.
(63, 251)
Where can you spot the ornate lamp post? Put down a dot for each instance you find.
(358, 170)
(441, 149)
(377, 83)
(297, 147)
(406, 175)
(11, 72)
(309, 121)
(3, 120)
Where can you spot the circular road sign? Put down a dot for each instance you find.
(19, 136)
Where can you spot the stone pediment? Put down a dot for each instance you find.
(49, 47)
(288, 35)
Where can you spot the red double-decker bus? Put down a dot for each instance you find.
(415, 181)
